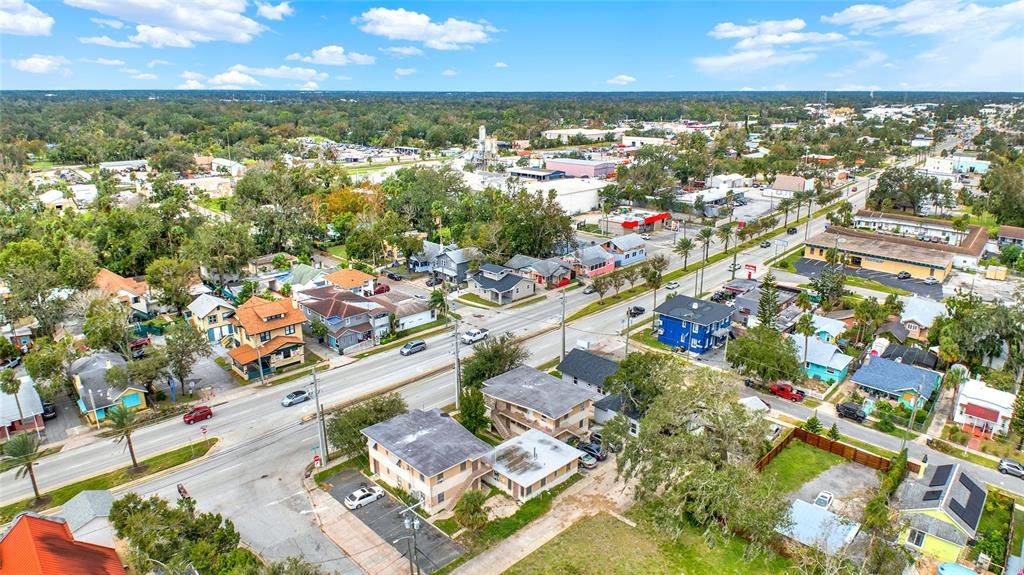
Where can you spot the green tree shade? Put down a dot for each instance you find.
(471, 510)
(805, 327)
(492, 357)
(171, 279)
(185, 346)
(23, 451)
(31, 273)
(49, 364)
(684, 247)
(222, 247)
(439, 303)
(7, 349)
(106, 326)
(124, 422)
(10, 384)
(768, 307)
(472, 410)
(639, 378)
(344, 429)
(813, 424)
(762, 352)
(1017, 422)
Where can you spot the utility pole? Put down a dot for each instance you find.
(321, 431)
(913, 416)
(629, 319)
(563, 324)
(458, 366)
(259, 362)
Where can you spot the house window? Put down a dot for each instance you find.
(916, 538)
(633, 429)
(211, 320)
(528, 491)
(440, 497)
(462, 467)
(265, 336)
(289, 330)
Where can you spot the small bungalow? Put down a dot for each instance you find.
(590, 261)
(408, 311)
(211, 315)
(96, 395)
(823, 360)
(983, 410)
(919, 314)
(500, 285)
(942, 511)
(134, 293)
(827, 329)
(529, 464)
(628, 249)
(423, 262)
(550, 273)
(819, 528)
(896, 381)
(609, 406)
(587, 369)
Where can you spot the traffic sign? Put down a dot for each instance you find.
(204, 430)
(316, 460)
(750, 267)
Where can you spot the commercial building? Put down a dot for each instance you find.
(942, 511)
(125, 166)
(785, 186)
(525, 398)
(531, 463)
(983, 410)
(881, 253)
(581, 168)
(729, 181)
(565, 134)
(641, 141)
(575, 195)
(631, 220)
(696, 325)
(930, 230)
(535, 174)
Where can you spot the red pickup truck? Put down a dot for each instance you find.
(786, 391)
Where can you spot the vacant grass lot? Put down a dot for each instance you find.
(603, 545)
(797, 464)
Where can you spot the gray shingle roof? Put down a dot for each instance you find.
(86, 506)
(614, 402)
(698, 311)
(429, 441)
(588, 367)
(504, 284)
(891, 377)
(520, 261)
(627, 242)
(204, 304)
(527, 387)
(592, 255)
(92, 372)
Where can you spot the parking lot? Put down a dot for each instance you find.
(434, 548)
(811, 268)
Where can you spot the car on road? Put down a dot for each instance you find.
(363, 496)
(474, 335)
(672, 285)
(198, 414)
(930, 280)
(594, 450)
(851, 410)
(791, 231)
(413, 347)
(393, 276)
(588, 461)
(786, 391)
(381, 288)
(49, 410)
(645, 237)
(766, 244)
(295, 397)
(1011, 467)
(853, 190)
(903, 276)
(722, 295)
(589, 289)
(824, 499)
(635, 311)
(734, 267)
(10, 363)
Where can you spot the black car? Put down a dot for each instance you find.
(394, 276)
(431, 282)
(49, 410)
(635, 311)
(594, 450)
(903, 276)
(851, 410)
(791, 231)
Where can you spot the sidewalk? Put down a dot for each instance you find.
(599, 491)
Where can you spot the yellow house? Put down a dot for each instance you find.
(526, 398)
(212, 315)
(942, 511)
(96, 396)
(267, 336)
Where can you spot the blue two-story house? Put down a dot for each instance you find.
(695, 325)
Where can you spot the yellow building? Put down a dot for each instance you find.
(942, 511)
(887, 254)
(211, 315)
(525, 398)
(267, 336)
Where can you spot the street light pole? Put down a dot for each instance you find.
(629, 324)
(321, 431)
(563, 324)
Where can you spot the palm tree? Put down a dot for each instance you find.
(724, 234)
(683, 247)
(124, 422)
(653, 278)
(23, 449)
(955, 378)
(439, 303)
(786, 204)
(706, 236)
(11, 385)
(805, 327)
(803, 301)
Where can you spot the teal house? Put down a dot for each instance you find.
(827, 329)
(823, 361)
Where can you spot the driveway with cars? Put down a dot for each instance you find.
(434, 548)
(811, 268)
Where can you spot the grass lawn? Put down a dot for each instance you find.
(994, 527)
(449, 526)
(361, 463)
(649, 340)
(603, 545)
(528, 301)
(489, 437)
(797, 464)
(880, 451)
(865, 283)
(338, 251)
(220, 205)
(41, 165)
(960, 453)
(1018, 532)
(549, 364)
(472, 298)
(786, 261)
(112, 479)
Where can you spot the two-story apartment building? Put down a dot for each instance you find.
(428, 455)
(587, 369)
(694, 325)
(941, 511)
(525, 398)
(500, 285)
(268, 337)
(628, 249)
(349, 318)
(211, 315)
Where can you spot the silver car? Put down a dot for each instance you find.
(295, 397)
(1011, 467)
(363, 496)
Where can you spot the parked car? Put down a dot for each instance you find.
(594, 450)
(850, 410)
(791, 231)
(363, 496)
(431, 282)
(295, 397)
(10, 363)
(786, 391)
(903, 276)
(589, 289)
(393, 276)
(587, 461)
(930, 281)
(198, 414)
(49, 410)
(645, 237)
(1011, 467)
(635, 311)
(766, 244)
(774, 430)
(824, 499)
(474, 335)
(672, 285)
(381, 288)
(413, 347)
(596, 437)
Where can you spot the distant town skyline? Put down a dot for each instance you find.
(920, 45)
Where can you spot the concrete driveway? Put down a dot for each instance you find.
(811, 268)
(434, 549)
(850, 483)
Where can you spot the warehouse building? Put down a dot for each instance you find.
(887, 254)
(581, 168)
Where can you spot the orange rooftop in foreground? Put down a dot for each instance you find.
(37, 545)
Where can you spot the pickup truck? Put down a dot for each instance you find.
(474, 335)
(786, 391)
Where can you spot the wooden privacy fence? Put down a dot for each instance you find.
(847, 451)
(768, 457)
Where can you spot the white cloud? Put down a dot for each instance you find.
(920, 17)
(41, 64)
(191, 85)
(271, 12)
(343, 78)
(233, 79)
(857, 88)
(145, 76)
(180, 23)
(309, 86)
(155, 63)
(107, 41)
(755, 42)
(449, 72)
(103, 61)
(107, 23)
(401, 24)
(749, 60)
(23, 19)
(403, 51)
(621, 80)
(765, 27)
(747, 89)
(500, 65)
(333, 55)
(130, 71)
(286, 72)
(400, 72)
(192, 76)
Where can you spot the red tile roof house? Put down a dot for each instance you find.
(37, 545)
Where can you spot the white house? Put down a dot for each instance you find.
(230, 167)
(730, 181)
(983, 409)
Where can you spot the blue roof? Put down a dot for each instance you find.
(895, 378)
(820, 528)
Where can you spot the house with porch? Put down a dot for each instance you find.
(525, 398)
(408, 311)
(628, 249)
(919, 315)
(211, 315)
(95, 395)
(350, 318)
(453, 265)
(983, 410)
(135, 293)
(41, 545)
(267, 338)
(21, 412)
(352, 280)
(500, 285)
(528, 464)
(894, 381)
(695, 325)
(590, 261)
(428, 455)
(823, 360)
(550, 273)
(941, 511)
(423, 262)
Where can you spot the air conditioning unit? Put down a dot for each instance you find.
(659, 332)
(656, 322)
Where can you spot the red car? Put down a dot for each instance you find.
(786, 391)
(381, 288)
(198, 414)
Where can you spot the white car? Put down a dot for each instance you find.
(930, 280)
(824, 499)
(645, 237)
(363, 496)
(672, 285)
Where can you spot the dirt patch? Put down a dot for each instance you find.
(500, 506)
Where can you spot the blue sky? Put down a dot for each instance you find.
(511, 46)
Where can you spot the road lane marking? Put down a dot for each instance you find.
(283, 499)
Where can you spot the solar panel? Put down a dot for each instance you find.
(971, 512)
(941, 475)
(933, 495)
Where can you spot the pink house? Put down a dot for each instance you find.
(591, 261)
(581, 168)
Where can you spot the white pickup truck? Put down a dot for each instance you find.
(474, 335)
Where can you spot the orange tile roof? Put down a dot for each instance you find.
(252, 315)
(244, 354)
(38, 545)
(112, 283)
(348, 278)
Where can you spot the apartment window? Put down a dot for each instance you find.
(289, 330)
(440, 497)
(265, 336)
(916, 538)
(528, 491)
(422, 478)
(543, 482)
(462, 467)
(440, 477)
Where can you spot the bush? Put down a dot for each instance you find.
(885, 424)
(813, 425)
(160, 396)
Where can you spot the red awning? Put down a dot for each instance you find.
(982, 413)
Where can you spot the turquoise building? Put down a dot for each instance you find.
(824, 361)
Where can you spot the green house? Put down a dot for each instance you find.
(942, 511)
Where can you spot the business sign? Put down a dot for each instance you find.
(750, 267)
